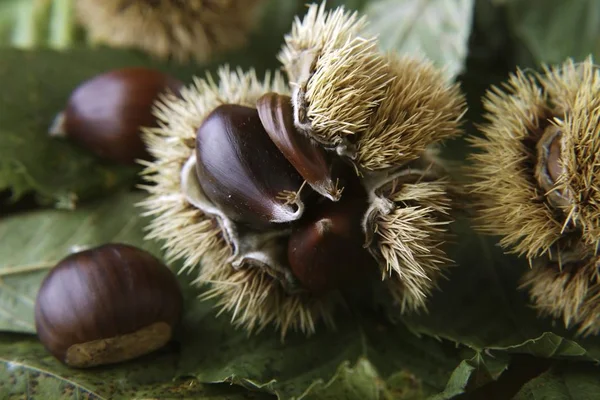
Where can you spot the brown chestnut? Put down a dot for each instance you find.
(310, 160)
(326, 251)
(105, 113)
(242, 171)
(106, 305)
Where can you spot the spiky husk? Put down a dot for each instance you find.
(420, 107)
(255, 298)
(508, 199)
(337, 73)
(571, 293)
(409, 240)
(579, 88)
(512, 204)
(169, 28)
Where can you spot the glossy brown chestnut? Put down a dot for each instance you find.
(311, 161)
(242, 171)
(106, 305)
(105, 113)
(326, 251)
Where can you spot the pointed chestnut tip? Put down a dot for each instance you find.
(329, 189)
(291, 208)
(323, 226)
(57, 128)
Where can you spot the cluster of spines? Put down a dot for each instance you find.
(171, 29)
(337, 76)
(514, 204)
(391, 109)
(420, 107)
(410, 239)
(509, 202)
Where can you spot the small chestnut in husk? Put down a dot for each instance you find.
(105, 113)
(106, 305)
(326, 251)
(242, 171)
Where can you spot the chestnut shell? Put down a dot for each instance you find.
(103, 293)
(241, 170)
(105, 113)
(326, 250)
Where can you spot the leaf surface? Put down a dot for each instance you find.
(437, 29)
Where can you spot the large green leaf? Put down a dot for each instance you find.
(31, 243)
(36, 85)
(567, 381)
(438, 29)
(289, 368)
(481, 306)
(210, 350)
(361, 382)
(553, 30)
(472, 374)
(28, 371)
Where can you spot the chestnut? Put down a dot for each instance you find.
(326, 250)
(242, 171)
(310, 160)
(106, 305)
(105, 113)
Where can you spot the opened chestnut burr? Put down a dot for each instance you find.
(106, 305)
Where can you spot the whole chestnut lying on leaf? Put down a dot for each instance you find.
(105, 305)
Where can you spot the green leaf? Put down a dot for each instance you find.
(481, 306)
(289, 368)
(210, 350)
(36, 86)
(404, 385)
(553, 30)
(567, 381)
(361, 382)
(31, 243)
(438, 29)
(28, 371)
(472, 374)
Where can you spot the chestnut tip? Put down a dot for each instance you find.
(57, 128)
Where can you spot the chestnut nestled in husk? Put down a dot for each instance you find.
(277, 116)
(242, 171)
(105, 113)
(106, 305)
(326, 251)
(537, 179)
